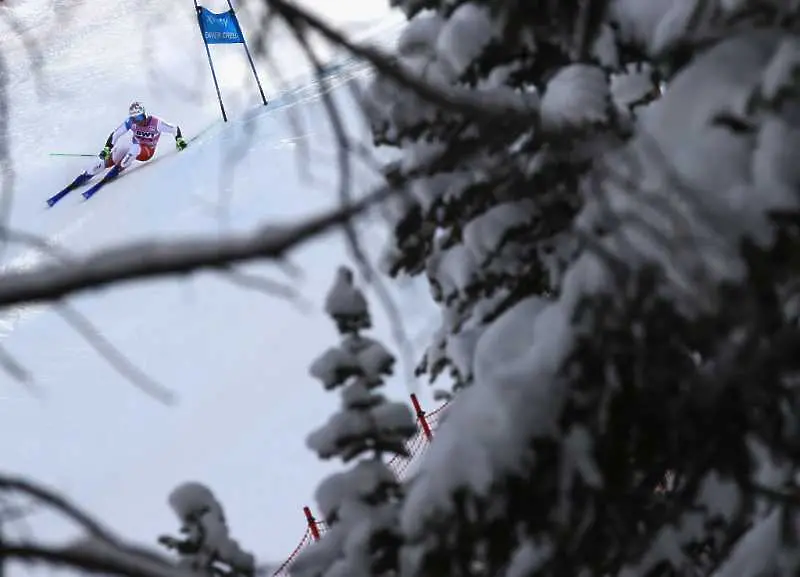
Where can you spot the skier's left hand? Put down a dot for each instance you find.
(180, 143)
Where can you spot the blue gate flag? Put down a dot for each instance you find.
(223, 29)
(220, 28)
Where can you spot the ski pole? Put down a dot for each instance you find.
(69, 154)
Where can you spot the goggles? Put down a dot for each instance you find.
(139, 118)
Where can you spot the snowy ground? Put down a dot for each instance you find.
(237, 359)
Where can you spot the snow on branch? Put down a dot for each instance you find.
(345, 303)
(149, 259)
(207, 541)
(361, 505)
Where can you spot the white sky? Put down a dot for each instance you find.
(238, 359)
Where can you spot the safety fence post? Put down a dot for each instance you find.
(312, 523)
(421, 417)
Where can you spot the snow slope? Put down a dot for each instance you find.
(237, 359)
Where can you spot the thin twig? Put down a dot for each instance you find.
(61, 504)
(353, 241)
(303, 151)
(106, 554)
(16, 371)
(114, 356)
(32, 240)
(266, 286)
(12, 513)
(104, 561)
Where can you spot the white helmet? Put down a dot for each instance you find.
(136, 109)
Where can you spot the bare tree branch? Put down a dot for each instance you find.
(149, 259)
(35, 56)
(157, 78)
(266, 286)
(16, 371)
(462, 100)
(100, 552)
(93, 559)
(261, 48)
(59, 503)
(114, 356)
(13, 513)
(35, 241)
(342, 148)
(354, 243)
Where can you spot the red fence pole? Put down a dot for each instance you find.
(312, 523)
(421, 416)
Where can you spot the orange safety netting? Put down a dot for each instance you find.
(402, 466)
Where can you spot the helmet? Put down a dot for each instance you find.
(137, 112)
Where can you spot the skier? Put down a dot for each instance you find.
(146, 130)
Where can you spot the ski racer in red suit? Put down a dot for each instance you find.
(146, 130)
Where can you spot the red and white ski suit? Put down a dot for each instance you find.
(142, 145)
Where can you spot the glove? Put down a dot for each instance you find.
(105, 154)
(180, 143)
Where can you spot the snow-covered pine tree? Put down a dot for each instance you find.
(207, 547)
(360, 506)
(487, 217)
(619, 279)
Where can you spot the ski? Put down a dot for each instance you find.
(109, 176)
(78, 182)
(60, 194)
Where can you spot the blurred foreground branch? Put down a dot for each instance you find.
(91, 557)
(160, 258)
(99, 551)
(470, 103)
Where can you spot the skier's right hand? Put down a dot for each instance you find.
(105, 154)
